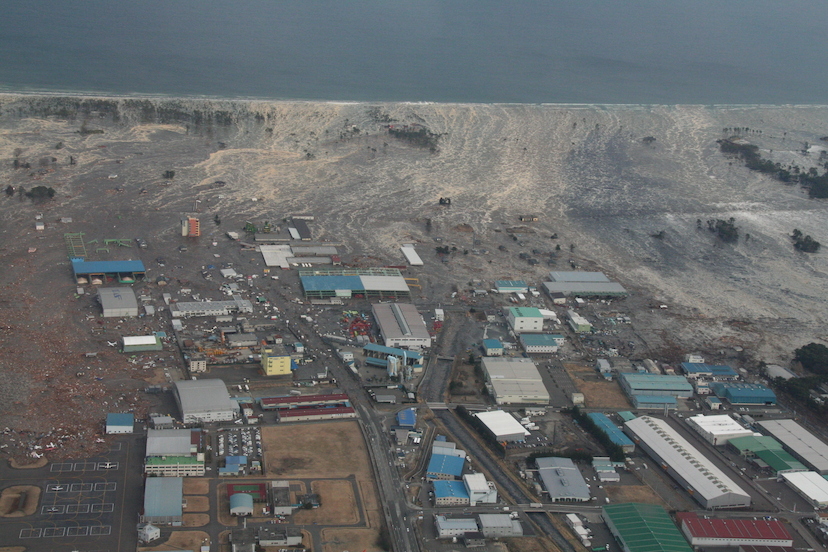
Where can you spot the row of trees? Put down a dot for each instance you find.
(38, 194)
(804, 243)
(615, 452)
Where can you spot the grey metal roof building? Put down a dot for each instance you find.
(211, 308)
(800, 442)
(689, 467)
(499, 525)
(169, 442)
(562, 480)
(118, 301)
(401, 325)
(514, 381)
(204, 401)
(586, 289)
(163, 500)
(454, 527)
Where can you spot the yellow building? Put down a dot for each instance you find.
(275, 362)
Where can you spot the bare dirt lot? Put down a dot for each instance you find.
(197, 504)
(597, 393)
(527, 544)
(640, 207)
(338, 505)
(196, 486)
(19, 500)
(633, 493)
(350, 539)
(332, 449)
(196, 520)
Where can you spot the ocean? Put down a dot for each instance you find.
(481, 51)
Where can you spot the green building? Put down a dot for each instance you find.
(767, 453)
(644, 528)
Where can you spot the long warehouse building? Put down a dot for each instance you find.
(800, 442)
(400, 325)
(696, 474)
(514, 381)
(382, 283)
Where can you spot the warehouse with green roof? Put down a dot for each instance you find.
(767, 453)
(644, 528)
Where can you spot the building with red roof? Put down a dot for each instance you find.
(710, 531)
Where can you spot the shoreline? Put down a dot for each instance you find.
(252, 100)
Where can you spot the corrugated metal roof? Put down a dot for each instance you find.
(748, 528)
(106, 267)
(120, 419)
(562, 479)
(607, 426)
(162, 496)
(331, 282)
(645, 528)
(668, 446)
(450, 489)
(443, 464)
(585, 288)
(172, 442)
(577, 276)
(501, 423)
(804, 444)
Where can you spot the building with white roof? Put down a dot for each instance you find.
(499, 525)
(718, 429)
(211, 308)
(118, 302)
(411, 255)
(204, 401)
(502, 425)
(170, 442)
(454, 527)
(480, 491)
(801, 443)
(141, 343)
(689, 467)
(514, 381)
(400, 325)
(812, 486)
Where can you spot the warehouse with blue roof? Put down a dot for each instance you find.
(695, 370)
(126, 272)
(744, 393)
(450, 493)
(407, 418)
(383, 283)
(444, 467)
(615, 435)
(492, 347)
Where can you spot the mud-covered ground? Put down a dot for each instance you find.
(585, 171)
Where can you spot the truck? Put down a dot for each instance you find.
(535, 505)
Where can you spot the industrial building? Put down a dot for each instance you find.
(304, 401)
(718, 429)
(539, 343)
(118, 302)
(524, 319)
(578, 323)
(446, 448)
(605, 469)
(643, 528)
(479, 490)
(411, 255)
(454, 527)
(174, 466)
(514, 381)
(766, 453)
(503, 426)
(578, 276)
(612, 431)
(585, 289)
(450, 493)
(801, 443)
(695, 370)
(276, 361)
(655, 384)
(211, 308)
(744, 393)
(172, 442)
(204, 401)
(442, 467)
(278, 536)
(120, 423)
(302, 229)
(382, 283)
(511, 286)
(280, 502)
(407, 418)
(654, 391)
(99, 272)
(811, 485)
(494, 526)
(400, 325)
(492, 347)
(142, 343)
(241, 504)
(562, 480)
(709, 531)
(163, 501)
(689, 467)
(317, 413)
(379, 355)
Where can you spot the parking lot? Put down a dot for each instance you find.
(245, 441)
